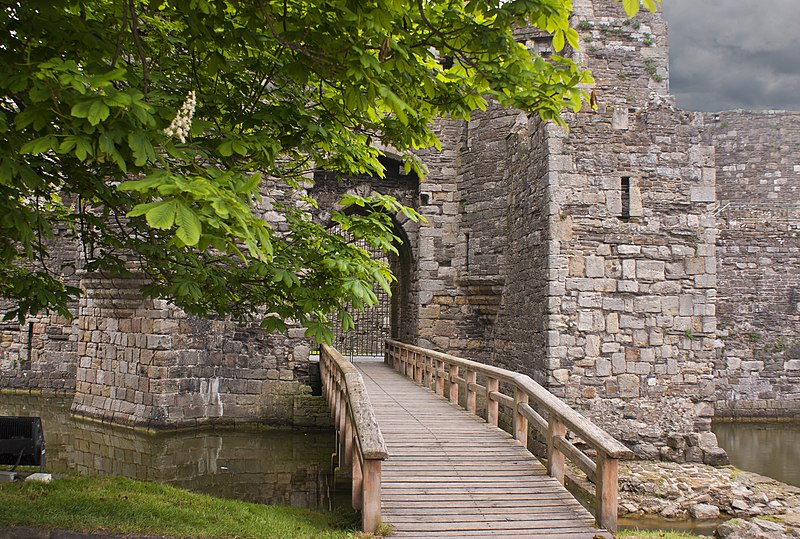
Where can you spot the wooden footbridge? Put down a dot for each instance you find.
(426, 464)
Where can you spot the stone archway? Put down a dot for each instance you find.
(393, 316)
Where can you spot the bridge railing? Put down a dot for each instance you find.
(440, 372)
(360, 440)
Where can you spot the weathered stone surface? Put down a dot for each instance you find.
(715, 456)
(704, 511)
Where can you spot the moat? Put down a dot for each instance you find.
(273, 466)
(770, 449)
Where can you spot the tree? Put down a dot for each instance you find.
(146, 127)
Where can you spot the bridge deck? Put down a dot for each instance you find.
(449, 474)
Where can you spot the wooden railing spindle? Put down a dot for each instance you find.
(492, 406)
(453, 389)
(520, 421)
(472, 404)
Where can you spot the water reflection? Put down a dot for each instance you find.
(289, 467)
(771, 449)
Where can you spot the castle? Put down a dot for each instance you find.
(644, 265)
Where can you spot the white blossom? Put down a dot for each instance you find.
(180, 125)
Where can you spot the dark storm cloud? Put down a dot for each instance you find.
(731, 54)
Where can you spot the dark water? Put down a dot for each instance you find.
(771, 449)
(653, 523)
(289, 467)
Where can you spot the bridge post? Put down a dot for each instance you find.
(555, 458)
(520, 421)
(453, 387)
(606, 491)
(371, 485)
(492, 406)
(472, 379)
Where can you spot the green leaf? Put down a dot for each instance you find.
(98, 111)
(273, 323)
(162, 215)
(631, 7)
(81, 109)
(39, 145)
(141, 147)
(189, 226)
(558, 40)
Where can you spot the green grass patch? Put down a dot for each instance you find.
(655, 534)
(117, 504)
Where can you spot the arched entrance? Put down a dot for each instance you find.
(390, 316)
(393, 315)
(372, 325)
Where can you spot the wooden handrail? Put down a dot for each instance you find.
(438, 371)
(359, 438)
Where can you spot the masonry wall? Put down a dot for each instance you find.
(520, 340)
(758, 188)
(145, 363)
(40, 353)
(635, 329)
(614, 309)
(439, 260)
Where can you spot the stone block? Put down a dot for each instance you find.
(652, 270)
(602, 367)
(672, 455)
(627, 286)
(595, 266)
(628, 385)
(704, 511)
(703, 193)
(618, 364)
(715, 456)
(612, 323)
(629, 268)
(631, 322)
(629, 249)
(592, 347)
(645, 451)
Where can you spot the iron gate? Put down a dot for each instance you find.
(373, 325)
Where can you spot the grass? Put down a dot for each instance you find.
(120, 505)
(655, 534)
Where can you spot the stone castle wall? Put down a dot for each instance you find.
(41, 352)
(609, 291)
(148, 364)
(758, 188)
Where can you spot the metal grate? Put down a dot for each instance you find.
(22, 441)
(372, 326)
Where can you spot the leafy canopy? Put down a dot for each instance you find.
(147, 128)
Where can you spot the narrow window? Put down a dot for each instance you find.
(625, 193)
(466, 234)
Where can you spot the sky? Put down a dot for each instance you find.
(734, 54)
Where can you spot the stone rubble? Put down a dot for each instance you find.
(762, 507)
